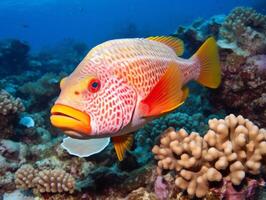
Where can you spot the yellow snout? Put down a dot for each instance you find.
(72, 121)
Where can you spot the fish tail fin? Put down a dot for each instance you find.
(210, 70)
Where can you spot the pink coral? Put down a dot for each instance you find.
(160, 188)
(229, 192)
(259, 61)
(243, 87)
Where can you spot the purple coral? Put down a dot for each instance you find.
(231, 193)
(160, 188)
(244, 86)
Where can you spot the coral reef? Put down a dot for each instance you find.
(244, 31)
(13, 57)
(25, 176)
(241, 38)
(55, 181)
(243, 64)
(41, 91)
(65, 55)
(243, 87)
(198, 31)
(10, 107)
(231, 149)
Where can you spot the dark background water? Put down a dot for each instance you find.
(46, 22)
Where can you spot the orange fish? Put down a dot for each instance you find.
(123, 84)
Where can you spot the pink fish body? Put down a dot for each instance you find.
(122, 84)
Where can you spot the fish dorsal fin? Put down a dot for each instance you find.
(170, 41)
(121, 144)
(166, 95)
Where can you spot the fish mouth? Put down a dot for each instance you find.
(73, 122)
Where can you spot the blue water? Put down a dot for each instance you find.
(43, 23)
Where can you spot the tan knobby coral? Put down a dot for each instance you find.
(9, 104)
(54, 181)
(9, 108)
(231, 148)
(24, 177)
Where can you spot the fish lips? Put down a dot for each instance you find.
(72, 121)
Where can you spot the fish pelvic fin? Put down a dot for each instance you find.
(166, 95)
(176, 44)
(121, 144)
(210, 70)
(85, 148)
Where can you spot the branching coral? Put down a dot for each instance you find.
(54, 181)
(25, 176)
(232, 148)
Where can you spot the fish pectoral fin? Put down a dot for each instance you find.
(121, 144)
(167, 94)
(84, 148)
(176, 44)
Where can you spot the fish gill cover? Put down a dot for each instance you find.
(198, 150)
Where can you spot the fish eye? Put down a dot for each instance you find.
(94, 85)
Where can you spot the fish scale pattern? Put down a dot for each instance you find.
(140, 63)
(116, 101)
